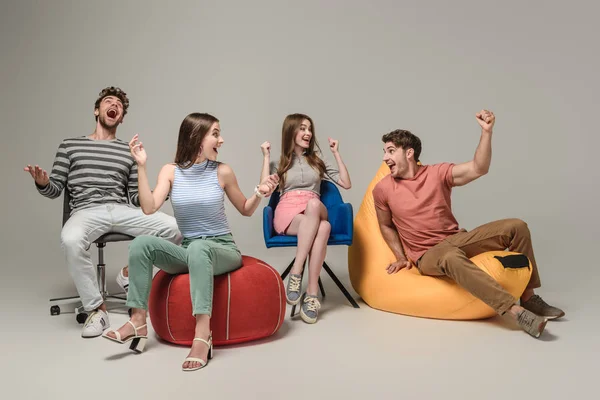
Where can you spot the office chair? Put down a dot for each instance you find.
(110, 237)
(340, 217)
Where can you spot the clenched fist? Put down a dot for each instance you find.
(333, 145)
(486, 120)
(266, 148)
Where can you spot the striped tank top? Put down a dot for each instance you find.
(198, 201)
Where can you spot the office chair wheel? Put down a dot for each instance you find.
(55, 310)
(81, 317)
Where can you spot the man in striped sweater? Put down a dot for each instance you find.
(101, 176)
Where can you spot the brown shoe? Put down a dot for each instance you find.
(531, 323)
(536, 305)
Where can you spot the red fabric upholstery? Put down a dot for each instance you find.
(248, 304)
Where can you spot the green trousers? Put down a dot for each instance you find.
(202, 258)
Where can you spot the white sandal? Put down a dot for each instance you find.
(138, 341)
(199, 360)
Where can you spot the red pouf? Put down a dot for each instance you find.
(248, 304)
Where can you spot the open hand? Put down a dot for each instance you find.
(137, 151)
(399, 265)
(486, 120)
(268, 185)
(39, 175)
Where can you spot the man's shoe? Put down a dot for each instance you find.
(536, 305)
(123, 281)
(96, 323)
(531, 323)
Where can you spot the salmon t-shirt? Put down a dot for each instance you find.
(421, 207)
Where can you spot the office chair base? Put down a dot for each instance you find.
(339, 284)
(112, 301)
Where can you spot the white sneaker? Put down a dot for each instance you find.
(123, 281)
(96, 323)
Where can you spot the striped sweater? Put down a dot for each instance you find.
(94, 171)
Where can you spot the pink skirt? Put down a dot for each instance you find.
(291, 204)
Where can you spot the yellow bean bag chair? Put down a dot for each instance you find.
(408, 292)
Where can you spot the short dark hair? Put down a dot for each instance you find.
(113, 91)
(405, 140)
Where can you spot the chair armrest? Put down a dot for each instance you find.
(340, 218)
(268, 231)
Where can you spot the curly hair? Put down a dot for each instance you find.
(405, 140)
(113, 91)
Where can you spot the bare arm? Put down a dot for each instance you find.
(390, 234)
(467, 172)
(266, 151)
(246, 206)
(152, 201)
(391, 237)
(344, 179)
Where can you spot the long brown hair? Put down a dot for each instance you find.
(291, 124)
(192, 131)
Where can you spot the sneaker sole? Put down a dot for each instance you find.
(91, 337)
(541, 328)
(292, 302)
(554, 316)
(307, 319)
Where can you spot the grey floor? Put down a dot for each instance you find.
(350, 353)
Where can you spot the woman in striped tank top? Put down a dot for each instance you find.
(197, 184)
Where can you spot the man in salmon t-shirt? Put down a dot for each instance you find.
(414, 211)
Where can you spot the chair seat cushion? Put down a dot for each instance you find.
(290, 241)
(113, 237)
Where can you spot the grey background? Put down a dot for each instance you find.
(359, 69)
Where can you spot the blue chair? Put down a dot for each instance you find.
(340, 216)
